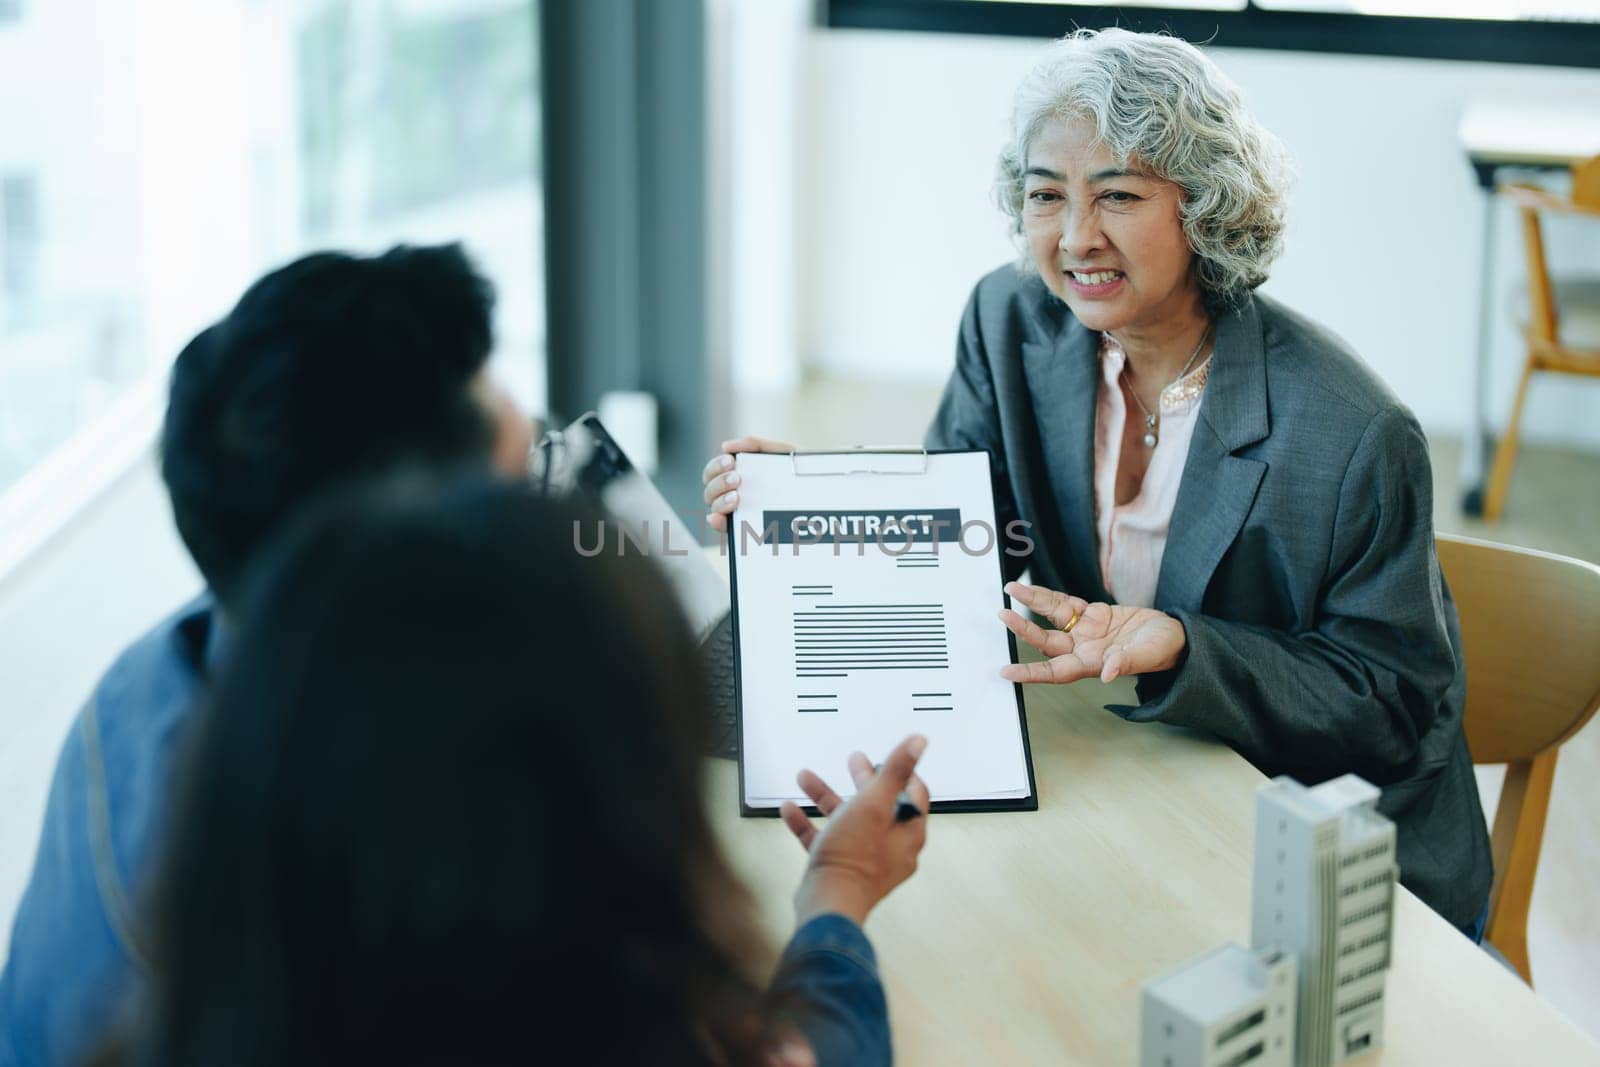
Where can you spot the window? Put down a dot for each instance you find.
(1553, 32)
(1495, 10)
(1251, 1053)
(20, 436)
(1249, 1022)
(1502, 10)
(19, 239)
(212, 141)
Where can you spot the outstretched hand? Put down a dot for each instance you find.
(1106, 641)
(862, 852)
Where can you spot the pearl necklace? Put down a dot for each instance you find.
(1149, 419)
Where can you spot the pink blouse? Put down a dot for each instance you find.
(1133, 537)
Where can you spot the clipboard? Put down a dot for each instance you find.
(891, 463)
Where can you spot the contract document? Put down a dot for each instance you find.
(865, 593)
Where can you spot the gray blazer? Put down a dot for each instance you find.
(1321, 636)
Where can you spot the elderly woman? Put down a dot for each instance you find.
(1225, 501)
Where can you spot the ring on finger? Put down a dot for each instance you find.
(1067, 626)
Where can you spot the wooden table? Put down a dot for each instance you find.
(1023, 937)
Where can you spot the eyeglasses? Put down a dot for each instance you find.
(583, 458)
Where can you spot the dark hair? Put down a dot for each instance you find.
(444, 806)
(333, 368)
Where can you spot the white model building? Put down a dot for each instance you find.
(1323, 889)
(1226, 1008)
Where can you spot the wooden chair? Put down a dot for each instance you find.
(1561, 319)
(1530, 626)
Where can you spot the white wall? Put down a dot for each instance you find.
(758, 75)
(895, 220)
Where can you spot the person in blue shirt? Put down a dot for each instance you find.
(329, 371)
(437, 811)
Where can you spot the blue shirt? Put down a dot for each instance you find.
(76, 945)
(827, 982)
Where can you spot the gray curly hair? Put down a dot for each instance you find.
(1160, 100)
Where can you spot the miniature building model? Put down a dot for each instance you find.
(1323, 889)
(1226, 1008)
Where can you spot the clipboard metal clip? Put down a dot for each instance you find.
(859, 452)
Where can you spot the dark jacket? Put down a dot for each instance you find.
(1322, 638)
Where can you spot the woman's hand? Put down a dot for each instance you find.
(1108, 640)
(862, 852)
(721, 480)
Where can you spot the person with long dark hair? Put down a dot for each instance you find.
(428, 816)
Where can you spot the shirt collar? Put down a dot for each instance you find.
(204, 635)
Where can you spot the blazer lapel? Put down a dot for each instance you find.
(1218, 487)
(1063, 376)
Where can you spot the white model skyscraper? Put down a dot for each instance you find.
(1224, 1008)
(1323, 889)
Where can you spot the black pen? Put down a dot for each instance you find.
(904, 809)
